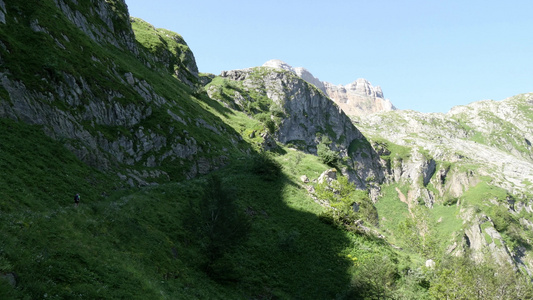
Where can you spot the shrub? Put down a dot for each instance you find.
(328, 156)
(271, 126)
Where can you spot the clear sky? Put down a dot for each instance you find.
(427, 55)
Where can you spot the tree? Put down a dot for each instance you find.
(328, 156)
(348, 204)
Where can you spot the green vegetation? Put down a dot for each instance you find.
(130, 243)
(251, 229)
(328, 156)
(348, 205)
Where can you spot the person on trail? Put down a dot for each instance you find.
(76, 200)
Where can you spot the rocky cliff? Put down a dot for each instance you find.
(356, 98)
(116, 98)
(492, 136)
(300, 114)
(477, 158)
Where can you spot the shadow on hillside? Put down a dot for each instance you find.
(221, 109)
(289, 253)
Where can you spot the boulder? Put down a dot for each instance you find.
(328, 176)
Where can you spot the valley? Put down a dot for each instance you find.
(258, 183)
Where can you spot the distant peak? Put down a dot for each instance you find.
(278, 64)
(356, 98)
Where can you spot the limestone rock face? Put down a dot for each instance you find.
(116, 30)
(493, 136)
(442, 157)
(108, 116)
(482, 238)
(307, 116)
(356, 98)
(359, 97)
(301, 72)
(2, 12)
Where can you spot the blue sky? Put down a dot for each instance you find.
(426, 55)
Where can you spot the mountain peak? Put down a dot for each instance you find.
(278, 64)
(356, 98)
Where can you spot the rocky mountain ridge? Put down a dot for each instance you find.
(303, 116)
(492, 134)
(107, 107)
(458, 155)
(356, 98)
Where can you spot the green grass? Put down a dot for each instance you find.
(447, 223)
(133, 243)
(391, 210)
(38, 172)
(481, 194)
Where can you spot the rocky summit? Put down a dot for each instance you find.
(355, 99)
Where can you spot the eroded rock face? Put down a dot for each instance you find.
(359, 98)
(307, 111)
(116, 30)
(490, 138)
(307, 116)
(441, 157)
(2, 12)
(484, 241)
(356, 98)
(123, 122)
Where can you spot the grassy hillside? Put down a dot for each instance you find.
(137, 243)
(249, 229)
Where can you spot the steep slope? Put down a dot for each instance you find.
(475, 160)
(356, 98)
(77, 69)
(296, 113)
(86, 106)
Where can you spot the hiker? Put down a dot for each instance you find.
(76, 200)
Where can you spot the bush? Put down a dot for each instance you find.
(342, 195)
(328, 156)
(450, 201)
(271, 126)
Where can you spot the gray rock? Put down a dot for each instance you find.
(430, 264)
(2, 12)
(327, 176)
(356, 98)
(307, 116)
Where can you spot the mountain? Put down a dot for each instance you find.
(299, 115)
(86, 79)
(463, 178)
(252, 184)
(356, 98)
(97, 103)
(476, 158)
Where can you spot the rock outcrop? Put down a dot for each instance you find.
(116, 110)
(491, 137)
(439, 158)
(356, 98)
(306, 117)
